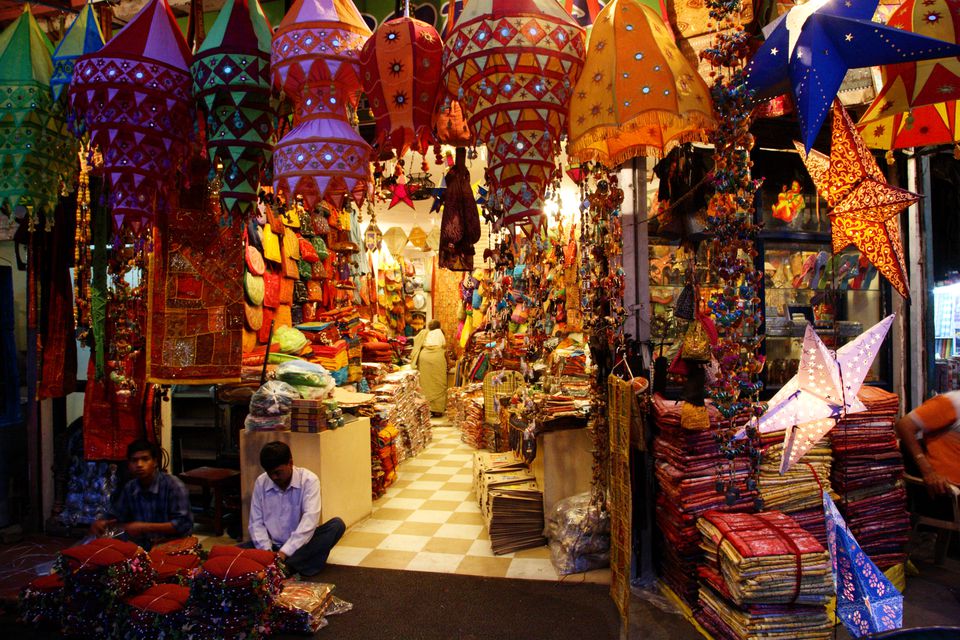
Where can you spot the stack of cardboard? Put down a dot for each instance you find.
(510, 501)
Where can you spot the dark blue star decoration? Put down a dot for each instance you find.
(481, 196)
(437, 194)
(811, 47)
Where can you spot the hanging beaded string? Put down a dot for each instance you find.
(81, 254)
(736, 305)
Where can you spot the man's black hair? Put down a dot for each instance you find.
(144, 445)
(273, 454)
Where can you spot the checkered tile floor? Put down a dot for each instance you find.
(429, 520)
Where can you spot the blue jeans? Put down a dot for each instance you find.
(311, 558)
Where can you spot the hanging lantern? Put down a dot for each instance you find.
(134, 98)
(84, 36)
(231, 75)
(31, 131)
(637, 94)
(512, 66)
(314, 59)
(400, 71)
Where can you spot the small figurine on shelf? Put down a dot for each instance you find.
(789, 203)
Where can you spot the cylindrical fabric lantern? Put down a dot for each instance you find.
(134, 98)
(512, 65)
(231, 74)
(315, 53)
(400, 70)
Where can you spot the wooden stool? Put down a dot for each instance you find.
(217, 480)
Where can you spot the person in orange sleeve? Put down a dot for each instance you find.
(931, 435)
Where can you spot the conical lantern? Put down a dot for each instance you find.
(30, 132)
(135, 100)
(315, 63)
(512, 65)
(84, 36)
(917, 105)
(231, 75)
(637, 95)
(400, 71)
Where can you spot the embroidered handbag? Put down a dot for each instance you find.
(686, 303)
(271, 289)
(271, 244)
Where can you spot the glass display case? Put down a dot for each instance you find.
(841, 295)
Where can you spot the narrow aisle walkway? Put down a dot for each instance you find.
(429, 520)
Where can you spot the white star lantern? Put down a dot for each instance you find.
(824, 389)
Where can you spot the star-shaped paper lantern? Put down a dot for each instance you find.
(864, 207)
(437, 194)
(811, 47)
(400, 193)
(867, 602)
(824, 389)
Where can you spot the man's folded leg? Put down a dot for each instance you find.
(310, 559)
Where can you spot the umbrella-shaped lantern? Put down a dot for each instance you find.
(231, 74)
(400, 70)
(637, 95)
(315, 63)
(135, 101)
(512, 65)
(917, 104)
(867, 602)
(31, 133)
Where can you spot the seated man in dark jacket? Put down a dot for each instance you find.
(152, 507)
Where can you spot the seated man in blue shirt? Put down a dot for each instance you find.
(285, 512)
(152, 507)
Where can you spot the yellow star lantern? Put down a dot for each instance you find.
(864, 207)
(637, 94)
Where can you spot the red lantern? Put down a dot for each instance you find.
(400, 68)
(314, 62)
(134, 97)
(512, 65)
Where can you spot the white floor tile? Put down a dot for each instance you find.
(483, 549)
(457, 496)
(402, 542)
(435, 562)
(429, 516)
(462, 531)
(462, 477)
(427, 485)
(349, 556)
(404, 503)
(469, 506)
(459, 456)
(532, 569)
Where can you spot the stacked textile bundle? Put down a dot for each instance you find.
(331, 357)
(402, 404)
(354, 359)
(762, 576)
(41, 602)
(378, 351)
(233, 593)
(97, 576)
(575, 386)
(797, 492)
(687, 463)
(384, 454)
(300, 608)
(868, 476)
(373, 372)
(156, 614)
(465, 409)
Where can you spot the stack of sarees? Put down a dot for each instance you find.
(401, 403)
(868, 478)
(687, 467)
(797, 492)
(762, 576)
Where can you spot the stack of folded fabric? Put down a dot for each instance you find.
(158, 613)
(331, 357)
(300, 608)
(373, 373)
(97, 577)
(383, 453)
(687, 464)
(378, 351)
(232, 595)
(797, 492)
(762, 576)
(41, 602)
(354, 359)
(576, 386)
(868, 477)
(401, 402)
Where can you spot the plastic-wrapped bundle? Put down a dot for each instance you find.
(97, 576)
(579, 534)
(301, 373)
(41, 601)
(232, 595)
(89, 488)
(301, 607)
(157, 613)
(270, 407)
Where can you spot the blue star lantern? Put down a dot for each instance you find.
(437, 194)
(814, 44)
